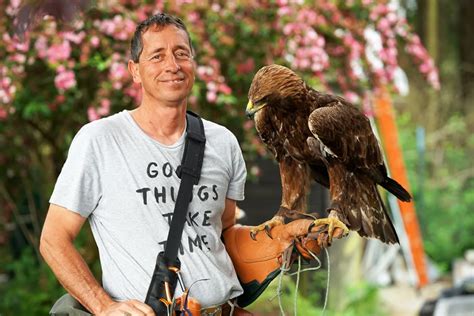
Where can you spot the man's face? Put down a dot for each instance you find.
(166, 66)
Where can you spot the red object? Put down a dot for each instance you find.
(389, 134)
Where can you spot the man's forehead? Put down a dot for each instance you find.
(154, 36)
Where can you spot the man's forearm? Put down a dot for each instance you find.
(73, 273)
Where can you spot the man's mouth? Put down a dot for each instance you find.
(178, 80)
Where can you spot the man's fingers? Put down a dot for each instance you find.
(146, 309)
(129, 308)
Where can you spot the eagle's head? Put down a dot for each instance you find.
(272, 86)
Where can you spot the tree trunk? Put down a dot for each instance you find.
(466, 53)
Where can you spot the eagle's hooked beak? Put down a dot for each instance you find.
(251, 110)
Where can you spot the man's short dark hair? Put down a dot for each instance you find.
(159, 20)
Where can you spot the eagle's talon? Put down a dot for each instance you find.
(331, 223)
(267, 227)
(253, 235)
(268, 231)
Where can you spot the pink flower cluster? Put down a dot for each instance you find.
(356, 50)
(119, 27)
(118, 73)
(305, 49)
(103, 110)
(215, 82)
(426, 64)
(58, 52)
(7, 89)
(13, 7)
(390, 24)
(65, 79)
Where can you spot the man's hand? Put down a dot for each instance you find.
(128, 308)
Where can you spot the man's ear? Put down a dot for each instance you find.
(133, 69)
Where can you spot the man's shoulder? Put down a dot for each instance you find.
(103, 126)
(213, 129)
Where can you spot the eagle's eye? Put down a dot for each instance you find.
(261, 100)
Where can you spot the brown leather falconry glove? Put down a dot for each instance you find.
(257, 262)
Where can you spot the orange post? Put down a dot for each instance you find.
(389, 134)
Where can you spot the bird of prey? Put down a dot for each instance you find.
(319, 136)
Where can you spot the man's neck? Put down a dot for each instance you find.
(166, 124)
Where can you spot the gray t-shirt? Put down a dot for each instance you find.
(125, 183)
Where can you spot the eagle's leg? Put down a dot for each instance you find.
(267, 226)
(332, 222)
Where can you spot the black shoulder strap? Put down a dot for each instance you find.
(189, 171)
(164, 279)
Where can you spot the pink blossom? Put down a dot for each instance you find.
(211, 86)
(15, 3)
(22, 46)
(118, 71)
(367, 105)
(433, 79)
(95, 41)
(104, 108)
(215, 7)
(284, 11)
(255, 171)
(92, 114)
(134, 91)
(65, 79)
(3, 113)
(41, 46)
(426, 66)
(59, 52)
(13, 8)
(73, 37)
(118, 27)
(351, 96)
(383, 24)
(19, 58)
(193, 17)
(225, 89)
(211, 96)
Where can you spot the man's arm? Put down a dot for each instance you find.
(228, 217)
(56, 246)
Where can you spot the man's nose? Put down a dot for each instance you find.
(172, 63)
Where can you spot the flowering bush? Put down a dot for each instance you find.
(61, 75)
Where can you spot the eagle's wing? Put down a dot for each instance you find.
(345, 133)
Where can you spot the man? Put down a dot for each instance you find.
(120, 174)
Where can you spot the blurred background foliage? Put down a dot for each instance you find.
(58, 76)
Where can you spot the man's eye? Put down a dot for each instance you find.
(182, 54)
(157, 57)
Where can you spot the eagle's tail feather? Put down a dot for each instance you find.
(360, 205)
(375, 221)
(396, 189)
(389, 229)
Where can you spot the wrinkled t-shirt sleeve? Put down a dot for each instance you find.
(236, 187)
(78, 186)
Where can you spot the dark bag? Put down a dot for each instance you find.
(165, 276)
